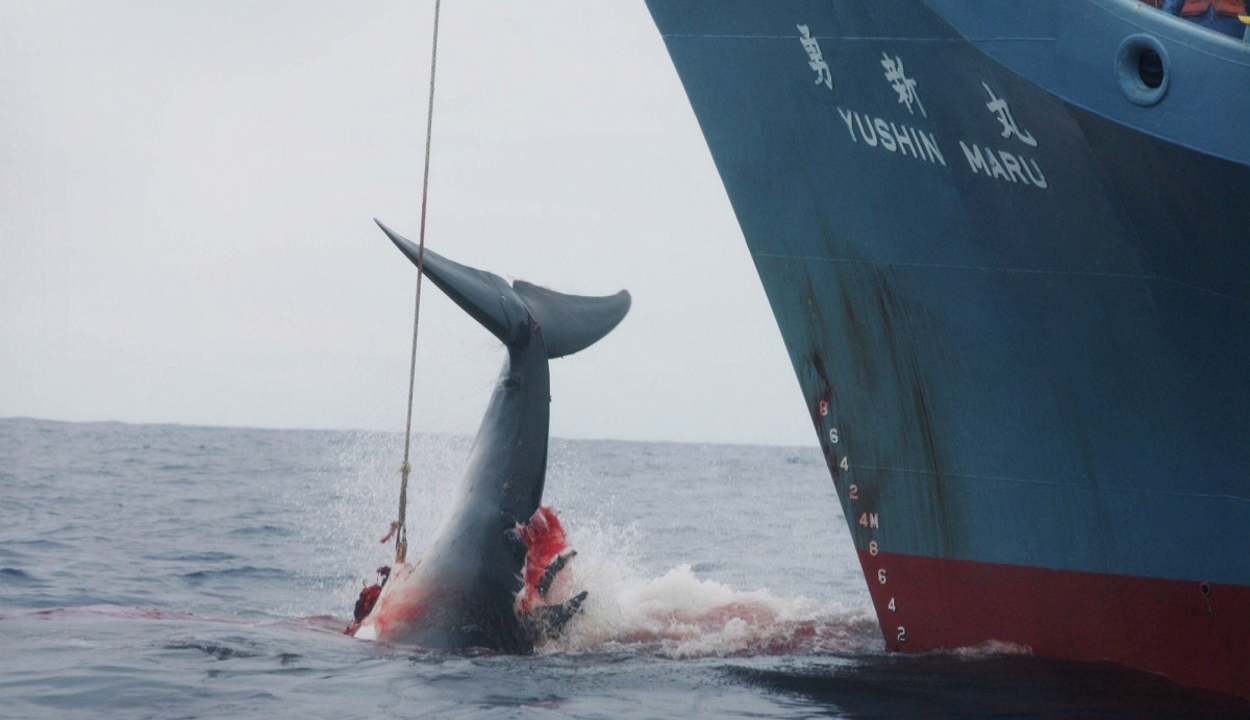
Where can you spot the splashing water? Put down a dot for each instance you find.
(675, 614)
(678, 615)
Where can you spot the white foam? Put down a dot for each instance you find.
(990, 648)
(681, 616)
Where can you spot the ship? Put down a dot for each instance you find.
(1007, 246)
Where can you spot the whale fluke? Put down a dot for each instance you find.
(570, 322)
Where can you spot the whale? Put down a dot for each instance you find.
(486, 578)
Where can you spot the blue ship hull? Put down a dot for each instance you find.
(1008, 247)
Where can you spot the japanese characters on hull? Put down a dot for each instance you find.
(1004, 164)
(816, 59)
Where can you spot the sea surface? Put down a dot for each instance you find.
(160, 571)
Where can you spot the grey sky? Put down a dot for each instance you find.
(186, 194)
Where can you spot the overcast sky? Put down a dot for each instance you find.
(186, 201)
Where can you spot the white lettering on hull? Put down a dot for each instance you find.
(816, 58)
(1002, 165)
(900, 139)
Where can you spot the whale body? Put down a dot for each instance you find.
(483, 580)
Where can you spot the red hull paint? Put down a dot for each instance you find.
(1173, 627)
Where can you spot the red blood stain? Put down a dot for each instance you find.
(544, 538)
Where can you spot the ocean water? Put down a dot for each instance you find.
(185, 572)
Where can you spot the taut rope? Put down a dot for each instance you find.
(400, 527)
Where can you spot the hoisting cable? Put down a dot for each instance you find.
(399, 527)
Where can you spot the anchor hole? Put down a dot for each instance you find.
(1150, 68)
(1142, 69)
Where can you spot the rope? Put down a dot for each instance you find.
(401, 535)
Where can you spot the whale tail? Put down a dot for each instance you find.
(569, 322)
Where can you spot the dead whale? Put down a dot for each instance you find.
(483, 581)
